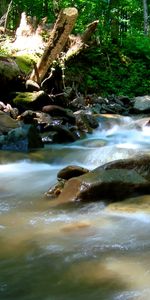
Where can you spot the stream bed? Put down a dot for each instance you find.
(80, 251)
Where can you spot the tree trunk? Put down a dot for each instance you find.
(58, 38)
(114, 6)
(80, 42)
(145, 11)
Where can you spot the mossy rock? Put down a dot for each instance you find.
(25, 62)
(8, 69)
(34, 100)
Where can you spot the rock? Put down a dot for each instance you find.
(32, 86)
(71, 171)
(28, 117)
(141, 164)
(55, 190)
(9, 72)
(57, 111)
(59, 134)
(141, 104)
(78, 103)
(125, 100)
(131, 205)
(34, 101)
(21, 139)
(86, 122)
(113, 181)
(112, 185)
(107, 121)
(7, 123)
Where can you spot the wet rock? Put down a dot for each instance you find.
(141, 164)
(112, 185)
(107, 121)
(34, 117)
(23, 138)
(71, 171)
(55, 190)
(131, 205)
(57, 111)
(59, 134)
(63, 175)
(86, 122)
(113, 181)
(141, 104)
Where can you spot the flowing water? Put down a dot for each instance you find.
(82, 251)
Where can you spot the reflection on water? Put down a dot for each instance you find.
(84, 251)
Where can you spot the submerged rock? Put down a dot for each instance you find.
(131, 205)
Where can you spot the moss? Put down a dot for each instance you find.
(25, 62)
(24, 99)
(28, 100)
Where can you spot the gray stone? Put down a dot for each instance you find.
(142, 104)
(21, 139)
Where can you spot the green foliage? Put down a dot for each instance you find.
(119, 62)
(137, 45)
(105, 73)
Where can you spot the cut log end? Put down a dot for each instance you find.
(70, 11)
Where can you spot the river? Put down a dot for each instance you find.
(82, 251)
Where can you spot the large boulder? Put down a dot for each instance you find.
(113, 181)
(141, 164)
(9, 73)
(112, 185)
(141, 104)
(28, 100)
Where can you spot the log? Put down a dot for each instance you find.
(80, 42)
(57, 40)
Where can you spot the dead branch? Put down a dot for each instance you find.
(80, 42)
(57, 40)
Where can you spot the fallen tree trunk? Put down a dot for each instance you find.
(58, 38)
(80, 42)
